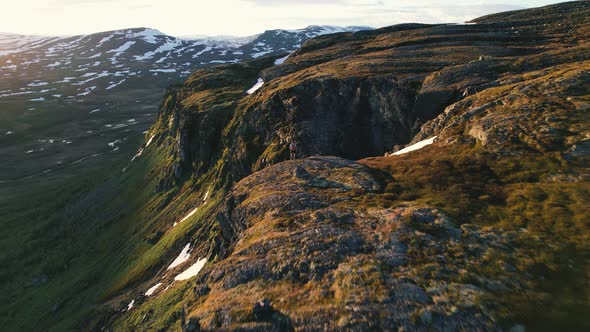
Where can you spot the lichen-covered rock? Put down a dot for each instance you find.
(315, 252)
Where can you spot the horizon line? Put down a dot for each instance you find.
(195, 36)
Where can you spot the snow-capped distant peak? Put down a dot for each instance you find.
(149, 35)
(319, 30)
(80, 66)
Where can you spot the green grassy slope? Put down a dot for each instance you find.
(83, 232)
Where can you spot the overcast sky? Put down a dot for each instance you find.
(234, 17)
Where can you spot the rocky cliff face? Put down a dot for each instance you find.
(353, 118)
(484, 229)
(298, 226)
(357, 95)
(350, 117)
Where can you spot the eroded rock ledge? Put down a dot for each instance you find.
(310, 247)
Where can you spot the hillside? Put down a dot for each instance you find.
(479, 223)
(66, 99)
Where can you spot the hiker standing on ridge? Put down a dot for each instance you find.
(293, 150)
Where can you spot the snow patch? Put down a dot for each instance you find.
(114, 144)
(169, 46)
(192, 271)
(137, 155)
(149, 35)
(415, 147)
(222, 61)
(153, 289)
(206, 49)
(116, 84)
(149, 141)
(34, 84)
(130, 305)
(84, 158)
(122, 48)
(92, 77)
(259, 54)
(185, 254)
(256, 86)
(16, 94)
(87, 91)
(281, 60)
(187, 216)
(66, 80)
(163, 70)
(104, 40)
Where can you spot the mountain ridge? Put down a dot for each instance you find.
(104, 87)
(349, 28)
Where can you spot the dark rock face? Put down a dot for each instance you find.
(262, 310)
(580, 150)
(199, 139)
(300, 173)
(352, 118)
(192, 325)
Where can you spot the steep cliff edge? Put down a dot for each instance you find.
(484, 229)
(356, 95)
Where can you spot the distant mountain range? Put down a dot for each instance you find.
(68, 98)
(75, 67)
